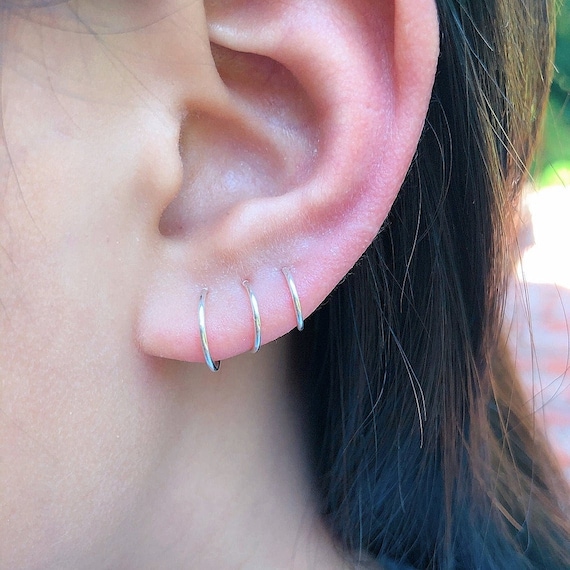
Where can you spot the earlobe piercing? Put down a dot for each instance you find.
(256, 317)
(294, 297)
(213, 365)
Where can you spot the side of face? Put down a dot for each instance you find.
(150, 149)
(90, 137)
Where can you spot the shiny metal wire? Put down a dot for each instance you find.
(212, 364)
(294, 297)
(256, 316)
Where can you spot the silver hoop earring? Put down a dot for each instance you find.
(214, 366)
(294, 297)
(256, 317)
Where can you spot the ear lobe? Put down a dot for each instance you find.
(327, 100)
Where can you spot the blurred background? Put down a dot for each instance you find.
(538, 309)
(553, 163)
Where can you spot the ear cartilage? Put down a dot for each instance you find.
(214, 366)
(256, 316)
(294, 297)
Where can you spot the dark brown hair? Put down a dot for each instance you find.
(424, 451)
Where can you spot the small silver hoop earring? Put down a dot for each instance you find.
(214, 366)
(294, 297)
(256, 316)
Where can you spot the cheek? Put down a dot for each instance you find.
(79, 421)
(83, 422)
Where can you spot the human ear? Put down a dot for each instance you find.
(291, 155)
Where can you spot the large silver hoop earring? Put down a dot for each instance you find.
(213, 365)
(256, 317)
(295, 298)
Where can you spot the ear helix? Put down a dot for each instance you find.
(214, 365)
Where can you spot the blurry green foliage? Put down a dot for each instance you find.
(553, 162)
(561, 86)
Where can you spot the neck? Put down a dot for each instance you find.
(231, 488)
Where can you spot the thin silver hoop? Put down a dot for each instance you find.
(214, 366)
(256, 317)
(294, 297)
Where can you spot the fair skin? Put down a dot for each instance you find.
(148, 153)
